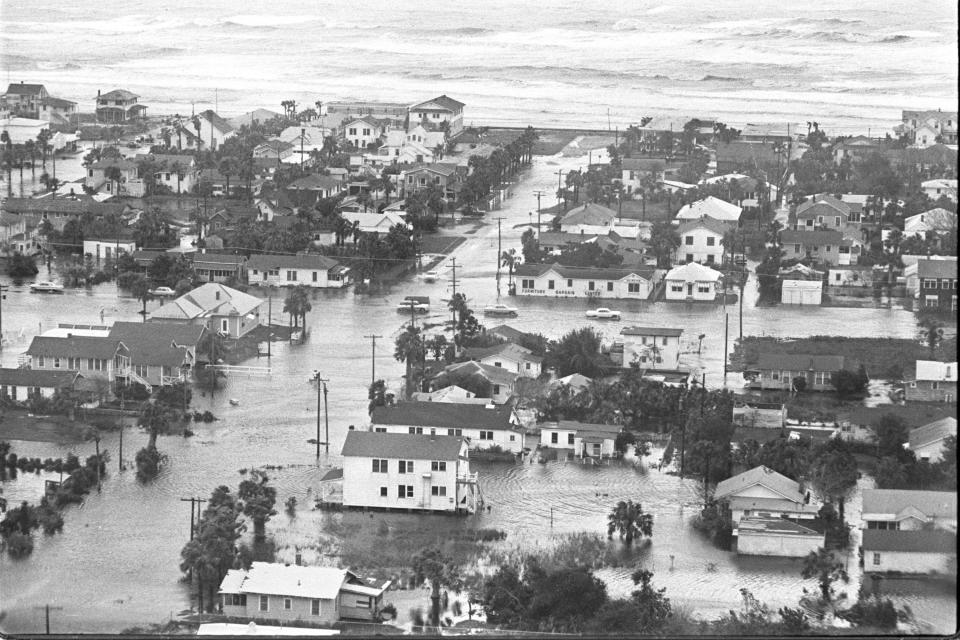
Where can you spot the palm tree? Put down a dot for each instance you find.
(439, 570)
(227, 167)
(31, 149)
(113, 174)
(8, 159)
(629, 520)
(820, 564)
(196, 125)
(298, 305)
(330, 146)
(508, 260)
(43, 140)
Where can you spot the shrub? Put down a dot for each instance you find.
(874, 612)
(291, 506)
(19, 545)
(388, 612)
(148, 464)
(489, 535)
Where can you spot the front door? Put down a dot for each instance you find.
(689, 289)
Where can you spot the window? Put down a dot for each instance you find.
(570, 438)
(291, 276)
(944, 284)
(929, 284)
(379, 429)
(590, 285)
(438, 491)
(454, 432)
(314, 276)
(496, 389)
(569, 283)
(550, 284)
(366, 131)
(609, 286)
(689, 257)
(264, 603)
(710, 258)
(353, 131)
(287, 604)
(703, 288)
(828, 248)
(526, 365)
(314, 607)
(404, 491)
(775, 375)
(406, 466)
(438, 465)
(876, 558)
(633, 287)
(224, 325)
(836, 222)
(688, 240)
(526, 283)
(711, 241)
(416, 430)
(498, 364)
(56, 363)
(141, 370)
(383, 492)
(379, 466)
(664, 343)
(486, 435)
(554, 438)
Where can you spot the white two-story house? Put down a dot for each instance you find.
(586, 440)
(651, 347)
(408, 471)
(484, 426)
(701, 241)
(93, 356)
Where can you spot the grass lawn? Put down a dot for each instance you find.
(20, 426)
(440, 244)
(883, 357)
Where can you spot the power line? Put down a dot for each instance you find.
(373, 357)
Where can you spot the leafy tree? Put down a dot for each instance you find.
(576, 352)
(834, 472)
(377, 394)
(822, 566)
(21, 266)
(931, 331)
(892, 433)
(664, 241)
(212, 551)
(257, 500)
(563, 600)
(629, 520)
(530, 247)
(140, 289)
(505, 598)
(850, 383)
(438, 570)
(646, 611)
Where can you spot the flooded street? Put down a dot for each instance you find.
(116, 563)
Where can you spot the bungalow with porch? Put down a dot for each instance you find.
(764, 493)
(23, 385)
(95, 357)
(483, 426)
(509, 356)
(909, 552)
(293, 593)
(221, 309)
(927, 442)
(692, 282)
(778, 371)
(589, 214)
(319, 185)
(933, 381)
(378, 223)
(828, 247)
(556, 280)
(822, 212)
(909, 509)
(277, 150)
(109, 248)
(586, 440)
(409, 471)
(160, 354)
(219, 267)
(312, 270)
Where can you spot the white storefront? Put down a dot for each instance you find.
(576, 282)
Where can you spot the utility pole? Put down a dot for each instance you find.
(538, 193)
(269, 321)
(122, 421)
(46, 614)
(194, 517)
(3, 296)
(726, 329)
(322, 386)
(560, 173)
(303, 133)
(499, 253)
(373, 357)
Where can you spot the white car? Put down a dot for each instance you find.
(163, 292)
(603, 314)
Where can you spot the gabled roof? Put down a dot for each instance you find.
(286, 580)
(276, 146)
(710, 207)
(779, 526)
(937, 268)
(935, 219)
(148, 335)
(934, 432)
(204, 301)
(315, 182)
(798, 362)
(710, 224)
(75, 347)
(919, 541)
(508, 333)
(584, 273)
(575, 381)
(817, 237)
(203, 259)
(651, 331)
(58, 103)
(216, 121)
(693, 272)
(764, 476)
(120, 163)
(44, 378)
(23, 89)
(506, 349)
(441, 168)
(590, 213)
(591, 428)
(818, 202)
(299, 261)
(370, 444)
(118, 94)
(496, 375)
(433, 414)
(933, 504)
(440, 103)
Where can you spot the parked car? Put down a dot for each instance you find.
(604, 314)
(163, 292)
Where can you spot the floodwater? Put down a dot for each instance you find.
(116, 563)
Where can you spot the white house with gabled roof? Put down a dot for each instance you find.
(311, 270)
(701, 241)
(484, 426)
(653, 347)
(692, 282)
(509, 356)
(711, 207)
(221, 309)
(437, 111)
(586, 440)
(763, 492)
(407, 471)
(555, 280)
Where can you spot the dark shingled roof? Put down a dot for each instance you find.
(301, 261)
(22, 89)
(366, 444)
(442, 414)
(583, 273)
(443, 101)
(154, 343)
(216, 120)
(911, 541)
(818, 237)
(799, 362)
(651, 331)
(118, 94)
(74, 347)
(937, 268)
(508, 333)
(37, 378)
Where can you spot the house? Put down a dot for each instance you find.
(822, 212)
(711, 207)
(509, 356)
(452, 393)
(370, 222)
(58, 210)
(58, 111)
(293, 593)
(433, 113)
(221, 309)
(23, 385)
(942, 123)
(801, 284)
(409, 471)
(306, 191)
(856, 148)
(176, 172)
(119, 106)
(745, 191)
(585, 282)
(363, 132)
(762, 492)
(778, 370)
(940, 187)
(214, 130)
(584, 439)
(636, 172)
(701, 241)
(160, 354)
(850, 276)
(312, 270)
(649, 347)
(575, 381)
(109, 248)
(933, 382)
(744, 155)
(937, 221)
(443, 176)
(498, 382)
(764, 536)
(828, 247)
(20, 130)
(508, 333)
(219, 267)
(927, 442)
(909, 510)
(937, 280)
(24, 100)
(764, 415)
(125, 184)
(911, 552)
(692, 282)
(483, 427)
(93, 356)
(589, 214)
(278, 150)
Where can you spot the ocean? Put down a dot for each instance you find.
(849, 64)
